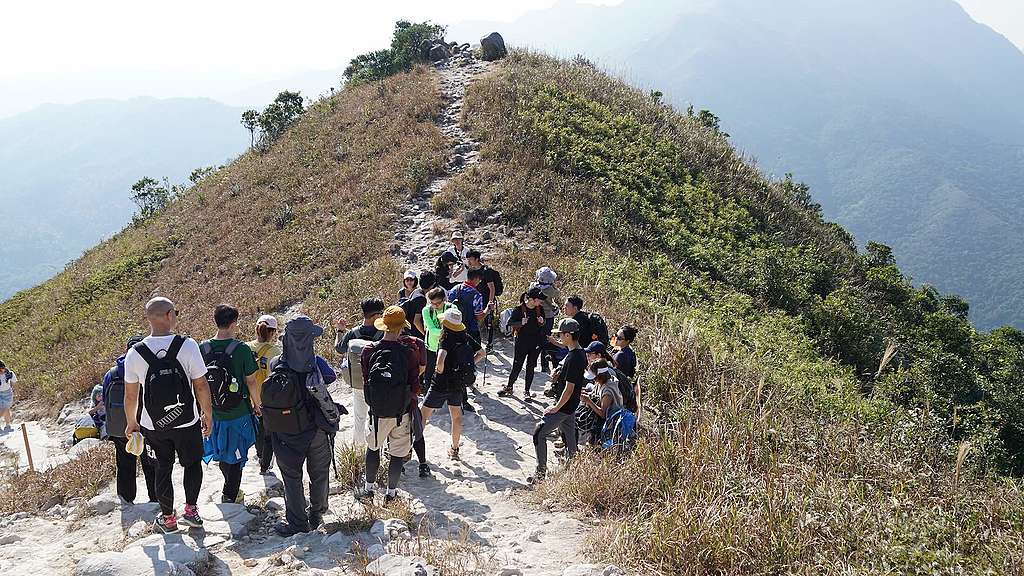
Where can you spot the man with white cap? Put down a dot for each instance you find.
(264, 348)
(460, 251)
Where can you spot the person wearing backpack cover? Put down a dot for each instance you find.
(264, 348)
(350, 344)
(527, 322)
(230, 374)
(302, 419)
(456, 370)
(166, 397)
(562, 415)
(390, 370)
(125, 463)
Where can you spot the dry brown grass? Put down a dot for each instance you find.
(305, 222)
(82, 477)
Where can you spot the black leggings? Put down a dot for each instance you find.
(524, 352)
(232, 480)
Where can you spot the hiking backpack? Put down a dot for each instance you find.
(284, 402)
(113, 402)
(503, 321)
(225, 391)
(599, 328)
(499, 286)
(355, 368)
(626, 389)
(167, 392)
(460, 370)
(386, 387)
(619, 430)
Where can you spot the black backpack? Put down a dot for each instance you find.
(219, 378)
(459, 366)
(627, 391)
(113, 402)
(283, 398)
(599, 328)
(167, 392)
(499, 286)
(386, 387)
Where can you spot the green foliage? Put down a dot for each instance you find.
(278, 116)
(407, 49)
(152, 196)
(251, 122)
(707, 119)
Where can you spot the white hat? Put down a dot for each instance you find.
(591, 375)
(411, 274)
(457, 235)
(268, 320)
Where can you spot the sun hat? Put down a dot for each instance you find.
(410, 274)
(452, 320)
(267, 320)
(596, 347)
(566, 326)
(457, 235)
(546, 275)
(591, 375)
(536, 293)
(392, 320)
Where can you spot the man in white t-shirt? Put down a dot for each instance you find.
(167, 399)
(459, 250)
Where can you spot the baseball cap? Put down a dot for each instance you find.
(596, 347)
(411, 274)
(536, 293)
(566, 325)
(592, 375)
(268, 320)
(457, 235)
(393, 320)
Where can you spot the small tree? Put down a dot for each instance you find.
(707, 118)
(151, 196)
(202, 172)
(369, 67)
(251, 121)
(278, 116)
(406, 50)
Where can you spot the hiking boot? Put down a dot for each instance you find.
(364, 494)
(315, 520)
(506, 391)
(166, 524)
(467, 407)
(285, 529)
(191, 517)
(453, 452)
(424, 470)
(538, 476)
(389, 498)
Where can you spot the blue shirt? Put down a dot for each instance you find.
(470, 299)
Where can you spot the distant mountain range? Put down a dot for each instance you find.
(66, 172)
(906, 117)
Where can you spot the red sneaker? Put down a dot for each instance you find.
(191, 517)
(166, 524)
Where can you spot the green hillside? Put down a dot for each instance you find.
(808, 410)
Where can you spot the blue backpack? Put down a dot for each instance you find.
(619, 430)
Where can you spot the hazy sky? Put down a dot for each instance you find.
(64, 51)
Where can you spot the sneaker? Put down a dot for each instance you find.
(538, 476)
(364, 495)
(166, 524)
(467, 407)
(528, 395)
(389, 498)
(453, 452)
(191, 517)
(285, 529)
(506, 391)
(424, 470)
(559, 444)
(315, 520)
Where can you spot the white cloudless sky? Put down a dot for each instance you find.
(68, 50)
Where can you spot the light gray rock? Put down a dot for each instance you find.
(84, 446)
(612, 570)
(103, 503)
(376, 551)
(172, 558)
(387, 530)
(399, 565)
(510, 571)
(493, 47)
(9, 539)
(137, 529)
(533, 535)
(276, 503)
(583, 570)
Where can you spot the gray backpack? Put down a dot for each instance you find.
(355, 369)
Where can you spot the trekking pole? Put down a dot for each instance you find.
(28, 448)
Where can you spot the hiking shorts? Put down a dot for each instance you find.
(437, 398)
(398, 435)
(6, 399)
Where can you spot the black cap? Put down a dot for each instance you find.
(536, 293)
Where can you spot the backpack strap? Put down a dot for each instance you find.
(262, 349)
(147, 354)
(232, 347)
(176, 344)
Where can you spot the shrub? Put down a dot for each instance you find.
(406, 50)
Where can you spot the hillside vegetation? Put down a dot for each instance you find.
(816, 412)
(808, 410)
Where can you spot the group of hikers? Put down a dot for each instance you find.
(170, 397)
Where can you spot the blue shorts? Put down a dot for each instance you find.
(6, 399)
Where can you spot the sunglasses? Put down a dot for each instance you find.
(175, 312)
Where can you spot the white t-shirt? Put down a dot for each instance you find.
(463, 268)
(136, 368)
(6, 379)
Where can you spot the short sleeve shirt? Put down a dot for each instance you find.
(136, 368)
(264, 352)
(7, 379)
(243, 364)
(472, 300)
(625, 360)
(573, 366)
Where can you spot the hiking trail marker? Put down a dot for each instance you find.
(28, 448)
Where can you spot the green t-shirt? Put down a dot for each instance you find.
(243, 364)
(432, 322)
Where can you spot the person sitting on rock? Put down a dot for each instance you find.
(312, 443)
(601, 398)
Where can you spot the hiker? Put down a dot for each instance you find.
(443, 269)
(231, 376)
(624, 359)
(390, 373)
(412, 299)
(490, 287)
(597, 351)
(573, 308)
(545, 282)
(264, 348)
(166, 397)
(419, 442)
(460, 251)
(302, 420)
(7, 382)
(350, 346)
(527, 322)
(470, 302)
(602, 398)
(456, 370)
(115, 421)
(561, 415)
(430, 324)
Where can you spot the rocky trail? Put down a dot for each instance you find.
(473, 516)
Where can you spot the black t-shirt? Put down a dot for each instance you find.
(414, 307)
(484, 287)
(625, 360)
(362, 332)
(573, 366)
(455, 345)
(586, 332)
(531, 331)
